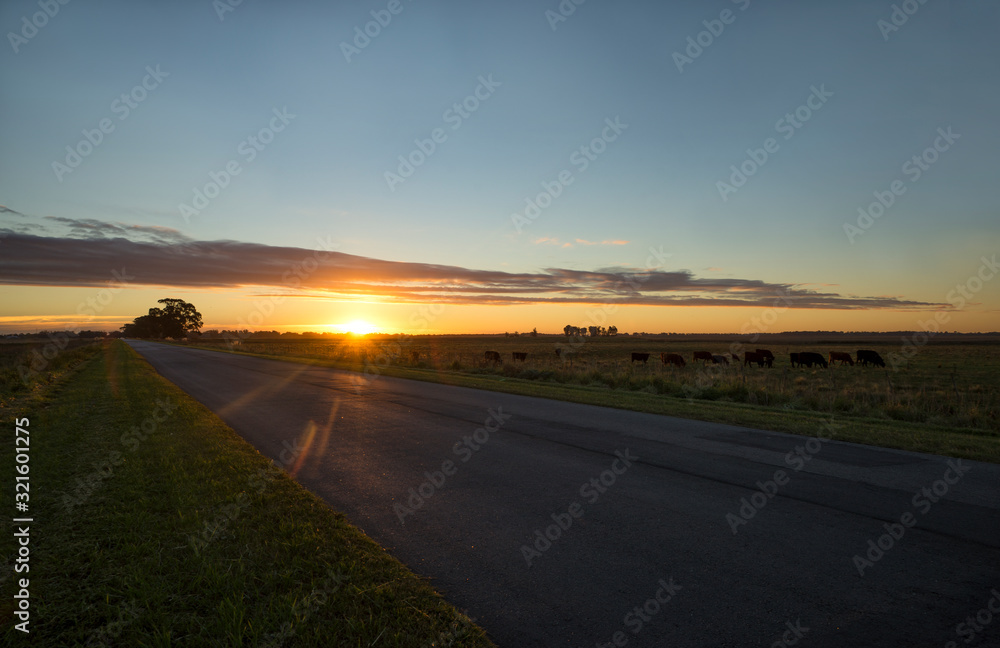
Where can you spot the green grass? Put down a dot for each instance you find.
(181, 534)
(944, 401)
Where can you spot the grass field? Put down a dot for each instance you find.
(156, 525)
(945, 398)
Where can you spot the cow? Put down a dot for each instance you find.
(558, 352)
(840, 356)
(494, 357)
(768, 356)
(866, 355)
(519, 356)
(720, 359)
(703, 355)
(753, 357)
(640, 357)
(808, 358)
(672, 359)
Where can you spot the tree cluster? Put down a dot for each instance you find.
(593, 331)
(175, 320)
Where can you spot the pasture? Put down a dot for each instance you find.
(950, 385)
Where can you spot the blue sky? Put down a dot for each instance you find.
(655, 185)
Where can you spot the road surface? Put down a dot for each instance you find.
(558, 524)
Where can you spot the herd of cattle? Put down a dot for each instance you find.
(760, 357)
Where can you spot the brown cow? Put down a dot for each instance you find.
(519, 356)
(672, 359)
(706, 356)
(640, 357)
(720, 359)
(753, 357)
(842, 357)
(494, 357)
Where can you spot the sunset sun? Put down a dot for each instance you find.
(357, 327)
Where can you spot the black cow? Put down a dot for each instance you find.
(720, 359)
(808, 358)
(672, 359)
(519, 356)
(753, 357)
(640, 357)
(494, 357)
(866, 355)
(703, 355)
(795, 359)
(841, 357)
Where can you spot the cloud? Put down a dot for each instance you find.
(165, 257)
(8, 210)
(608, 242)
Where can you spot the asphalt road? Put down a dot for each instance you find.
(647, 505)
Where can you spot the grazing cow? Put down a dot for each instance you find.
(808, 358)
(866, 355)
(494, 357)
(672, 359)
(841, 357)
(519, 356)
(720, 359)
(751, 357)
(640, 357)
(795, 359)
(703, 355)
(766, 353)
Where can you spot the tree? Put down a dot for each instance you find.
(174, 320)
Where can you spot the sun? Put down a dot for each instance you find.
(358, 327)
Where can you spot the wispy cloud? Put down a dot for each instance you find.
(581, 241)
(165, 257)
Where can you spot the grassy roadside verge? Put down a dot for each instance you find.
(964, 443)
(156, 525)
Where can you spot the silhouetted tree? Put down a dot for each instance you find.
(174, 320)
